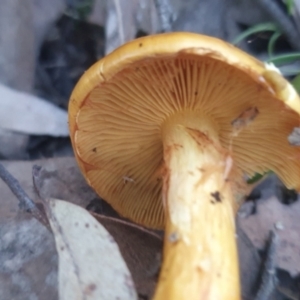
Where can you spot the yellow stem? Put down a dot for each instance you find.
(200, 256)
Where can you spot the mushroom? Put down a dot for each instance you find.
(166, 129)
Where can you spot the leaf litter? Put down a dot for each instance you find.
(139, 247)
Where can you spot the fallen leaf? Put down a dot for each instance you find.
(272, 214)
(90, 264)
(61, 178)
(120, 24)
(17, 45)
(250, 264)
(140, 248)
(125, 18)
(29, 114)
(13, 144)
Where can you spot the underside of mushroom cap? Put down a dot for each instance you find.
(120, 105)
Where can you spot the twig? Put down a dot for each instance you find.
(25, 203)
(35, 176)
(269, 279)
(165, 13)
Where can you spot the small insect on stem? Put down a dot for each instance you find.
(128, 179)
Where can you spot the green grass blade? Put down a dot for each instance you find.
(284, 58)
(289, 6)
(256, 177)
(268, 26)
(272, 42)
(296, 83)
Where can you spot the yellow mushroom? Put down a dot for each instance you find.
(165, 128)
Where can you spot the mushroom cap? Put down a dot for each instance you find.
(117, 109)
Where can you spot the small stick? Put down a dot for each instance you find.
(25, 202)
(269, 279)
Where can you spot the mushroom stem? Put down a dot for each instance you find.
(200, 254)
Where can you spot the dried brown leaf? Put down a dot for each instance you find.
(250, 264)
(90, 264)
(141, 250)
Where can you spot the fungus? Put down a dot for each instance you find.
(178, 120)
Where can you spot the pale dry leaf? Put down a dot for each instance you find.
(17, 49)
(125, 18)
(271, 214)
(90, 264)
(120, 23)
(140, 248)
(29, 114)
(14, 144)
(61, 178)
(166, 14)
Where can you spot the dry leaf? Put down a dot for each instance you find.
(61, 178)
(125, 18)
(26, 113)
(90, 264)
(141, 249)
(250, 264)
(17, 49)
(272, 214)
(13, 144)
